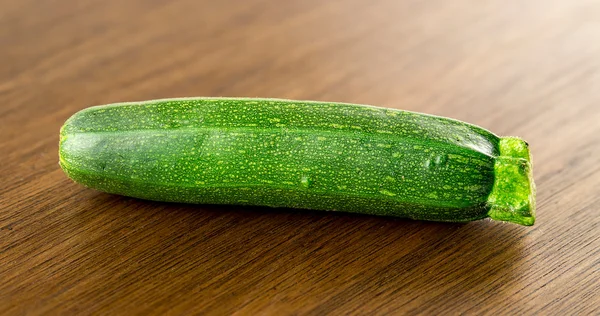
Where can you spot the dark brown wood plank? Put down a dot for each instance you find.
(530, 69)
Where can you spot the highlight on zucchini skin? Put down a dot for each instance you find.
(300, 154)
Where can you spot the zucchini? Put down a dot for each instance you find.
(300, 154)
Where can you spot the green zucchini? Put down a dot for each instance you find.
(300, 154)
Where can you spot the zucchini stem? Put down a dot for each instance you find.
(513, 195)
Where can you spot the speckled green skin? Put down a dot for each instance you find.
(300, 154)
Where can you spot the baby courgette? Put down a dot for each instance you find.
(300, 154)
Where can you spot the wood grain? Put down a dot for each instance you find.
(526, 68)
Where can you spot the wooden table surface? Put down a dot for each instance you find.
(524, 68)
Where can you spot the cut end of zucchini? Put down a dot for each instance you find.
(513, 196)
